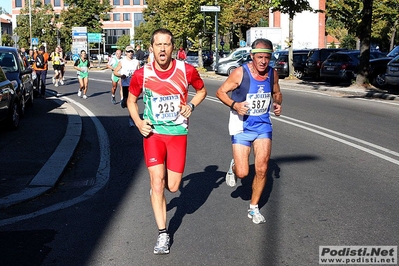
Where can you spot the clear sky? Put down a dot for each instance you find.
(7, 5)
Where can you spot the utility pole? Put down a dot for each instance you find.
(30, 23)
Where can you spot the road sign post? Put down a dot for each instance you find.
(215, 9)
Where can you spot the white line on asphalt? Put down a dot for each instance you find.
(377, 154)
(307, 126)
(102, 175)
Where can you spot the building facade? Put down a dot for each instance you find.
(308, 30)
(124, 17)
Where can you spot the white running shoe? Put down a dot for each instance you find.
(231, 179)
(256, 217)
(79, 93)
(162, 246)
(84, 96)
(61, 82)
(56, 84)
(53, 80)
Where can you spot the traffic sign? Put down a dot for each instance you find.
(35, 41)
(243, 43)
(94, 37)
(221, 43)
(210, 8)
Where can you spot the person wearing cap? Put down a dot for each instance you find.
(125, 69)
(164, 86)
(255, 91)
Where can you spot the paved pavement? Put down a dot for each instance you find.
(42, 156)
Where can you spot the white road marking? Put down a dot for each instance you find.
(101, 180)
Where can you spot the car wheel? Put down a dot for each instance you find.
(22, 106)
(230, 70)
(13, 119)
(298, 74)
(31, 98)
(379, 80)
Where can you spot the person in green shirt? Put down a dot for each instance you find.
(82, 65)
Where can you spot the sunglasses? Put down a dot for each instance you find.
(129, 51)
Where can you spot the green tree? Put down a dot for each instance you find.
(364, 33)
(83, 13)
(43, 25)
(291, 8)
(123, 42)
(6, 40)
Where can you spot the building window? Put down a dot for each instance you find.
(117, 17)
(144, 2)
(126, 16)
(47, 2)
(117, 2)
(57, 3)
(138, 18)
(18, 3)
(136, 2)
(126, 2)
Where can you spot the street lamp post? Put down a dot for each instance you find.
(30, 24)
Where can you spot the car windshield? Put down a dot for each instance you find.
(8, 62)
(394, 52)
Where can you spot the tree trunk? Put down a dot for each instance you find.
(290, 47)
(364, 33)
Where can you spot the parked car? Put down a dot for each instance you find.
(192, 58)
(343, 66)
(315, 58)
(392, 74)
(236, 54)
(68, 56)
(282, 67)
(378, 67)
(226, 67)
(14, 68)
(9, 102)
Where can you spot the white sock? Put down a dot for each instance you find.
(253, 206)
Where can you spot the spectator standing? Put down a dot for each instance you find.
(41, 66)
(181, 54)
(140, 55)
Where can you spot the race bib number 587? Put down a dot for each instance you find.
(258, 103)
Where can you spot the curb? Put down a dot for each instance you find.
(49, 174)
(365, 93)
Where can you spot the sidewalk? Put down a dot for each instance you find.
(36, 161)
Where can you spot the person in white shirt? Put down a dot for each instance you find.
(112, 64)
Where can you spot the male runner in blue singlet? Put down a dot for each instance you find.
(254, 89)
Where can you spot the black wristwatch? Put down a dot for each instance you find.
(192, 106)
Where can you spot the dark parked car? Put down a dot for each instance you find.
(226, 67)
(378, 67)
(343, 66)
(192, 58)
(315, 58)
(9, 102)
(14, 68)
(282, 67)
(392, 74)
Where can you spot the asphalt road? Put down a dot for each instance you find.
(332, 181)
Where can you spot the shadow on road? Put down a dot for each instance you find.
(193, 194)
